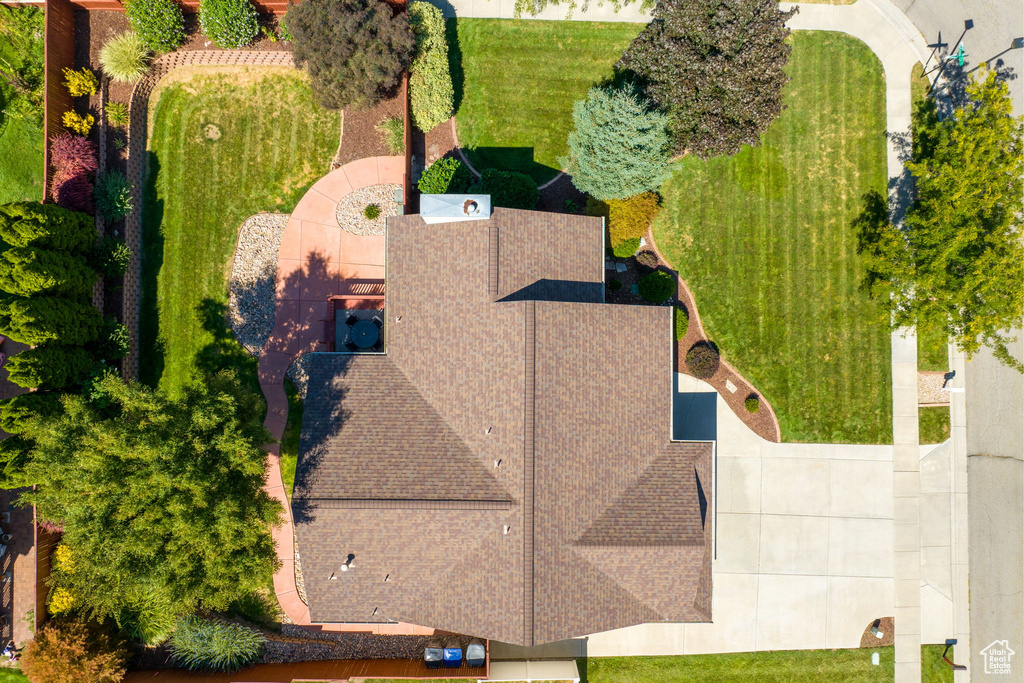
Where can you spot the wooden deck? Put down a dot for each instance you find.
(335, 670)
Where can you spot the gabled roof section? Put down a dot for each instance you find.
(506, 466)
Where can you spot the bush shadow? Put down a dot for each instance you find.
(151, 347)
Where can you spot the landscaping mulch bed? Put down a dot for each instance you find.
(561, 196)
(360, 137)
(887, 626)
(763, 422)
(438, 143)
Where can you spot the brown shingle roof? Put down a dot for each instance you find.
(503, 352)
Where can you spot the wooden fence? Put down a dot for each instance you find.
(59, 53)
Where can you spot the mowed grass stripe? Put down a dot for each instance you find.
(268, 143)
(521, 79)
(765, 241)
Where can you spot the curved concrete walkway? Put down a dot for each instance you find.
(317, 259)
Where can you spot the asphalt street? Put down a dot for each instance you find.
(995, 393)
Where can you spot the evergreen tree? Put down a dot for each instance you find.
(15, 453)
(48, 226)
(16, 412)
(958, 262)
(716, 68)
(41, 319)
(619, 146)
(49, 367)
(354, 50)
(161, 498)
(26, 271)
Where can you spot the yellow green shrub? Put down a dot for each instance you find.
(77, 123)
(81, 82)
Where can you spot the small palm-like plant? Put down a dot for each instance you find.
(117, 114)
(201, 644)
(372, 211)
(124, 57)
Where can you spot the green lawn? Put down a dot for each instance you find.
(290, 439)
(804, 666)
(223, 146)
(12, 676)
(516, 81)
(933, 423)
(21, 140)
(764, 239)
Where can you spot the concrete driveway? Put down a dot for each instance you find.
(804, 548)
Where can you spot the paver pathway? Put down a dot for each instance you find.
(316, 259)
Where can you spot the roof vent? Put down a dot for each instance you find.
(374, 612)
(508, 529)
(387, 577)
(398, 318)
(497, 463)
(332, 577)
(488, 430)
(349, 563)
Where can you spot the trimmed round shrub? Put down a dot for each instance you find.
(73, 192)
(681, 322)
(509, 189)
(111, 257)
(431, 93)
(229, 23)
(657, 287)
(615, 285)
(752, 403)
(73, 151)
(123, 57)
(445, 176)
(372, 211)
(627, 248)
(702, 360)
(200, 644)
(113, 195)
(647, 259)
(159, 23)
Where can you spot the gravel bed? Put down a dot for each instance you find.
(350, 209)
(929, 388)
(253, 300)
(300, 582)
(298, 373)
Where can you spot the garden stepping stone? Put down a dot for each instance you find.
(620, 267)
(730, 386)
(635, 289)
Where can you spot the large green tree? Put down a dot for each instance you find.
(40, 319)
(716, 68)
(161, 498)
(49, 367)
(24, 224)
(957, 262)
(354, 50)
(619, 146)
(26, 271)
(17, 412)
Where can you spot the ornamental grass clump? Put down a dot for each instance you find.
(657, 287)
(702, 360)
(124, 57)
(229, 23)
(159, 23)
(201, 644)
(117, 115)
(372, 212)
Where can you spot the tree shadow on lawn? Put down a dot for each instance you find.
(151, 348)
(224, 352)
(519, 159)
(451, 30)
